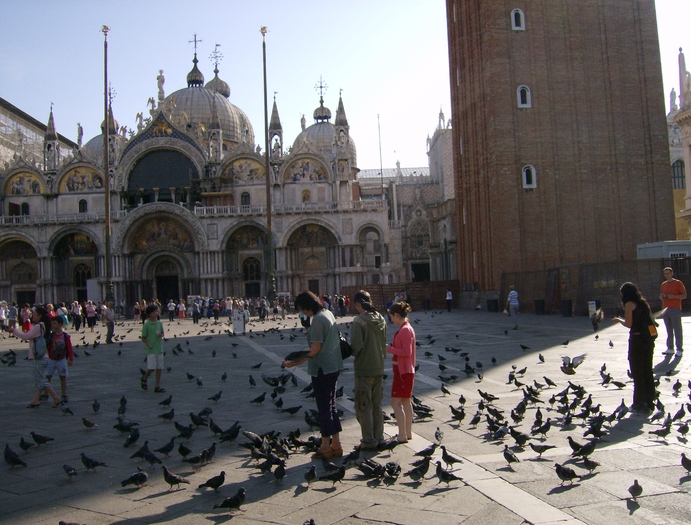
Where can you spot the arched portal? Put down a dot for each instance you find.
(313, 259)
(19, 268)
(245, 258)
(74, 262)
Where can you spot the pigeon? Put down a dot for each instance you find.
(439, 435)
(635, 490)
(590, 464)
(88, 423)
(569, 365)
(233, 502)
(449, 459)
(253, 383)
(311, 475)
(91, 464)
(445, 476)
(11, 457)
(510, 457)
(172, 479)
(259, 399)
(420, 470)
(41, 440)
(565, 473)
(69, 470)
(280, 472)
(166, 402)
(224, 376)
(216, 397)
(138, 478)
(334, 476)
(427, 452)
(183, 450)
(167, 448)
(66, 411)
(686, 463)
(167, 416)
(215, 482)
(143, 450)
(541, 449)
(25, 445)
(132, 438)
(597, 317)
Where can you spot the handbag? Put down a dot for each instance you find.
(506, 311)
(40, 346)
(346, 349)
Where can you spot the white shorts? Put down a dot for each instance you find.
(56, 366)
(154, 362)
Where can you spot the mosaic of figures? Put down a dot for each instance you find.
(23, 183)
(245, 171)
(305, 170)
(312, 235)
(247, 237)
(81, 179)
(76, 244)
(160, 233)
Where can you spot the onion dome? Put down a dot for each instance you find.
(323, 136)
(322, 113)
(195, 77)
(218, 85)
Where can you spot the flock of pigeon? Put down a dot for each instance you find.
(544, 405)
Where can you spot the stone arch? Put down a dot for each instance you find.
(244, 169)
(163, 209)
(311, 235)
(305, 168)
(140, 150)
(80, 179)
(311, 221)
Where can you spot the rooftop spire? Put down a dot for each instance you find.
(50, 129)
(321, 113)
(275, 123)
(216, 84)
(341, 119)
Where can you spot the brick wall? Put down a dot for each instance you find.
(596, 134)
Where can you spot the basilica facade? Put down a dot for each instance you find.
(188, 198)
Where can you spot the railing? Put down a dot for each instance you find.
(202, 211)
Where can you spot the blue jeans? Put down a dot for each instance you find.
(672, 319)
(325, 396)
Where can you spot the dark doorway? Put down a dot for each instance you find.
(252, 290)
(420, 272)
(167, 288)
(26, 297)
(81, 295)
(313, 286)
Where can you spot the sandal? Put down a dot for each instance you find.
(324, 454)
(159, 390)
(55, 404)
(31, 405)
(144, 385)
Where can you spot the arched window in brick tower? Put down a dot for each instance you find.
(517, 20)
(525, 100)
(529, 177)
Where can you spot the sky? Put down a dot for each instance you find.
(389, 58)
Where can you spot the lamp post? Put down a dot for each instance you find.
(106, 165)
(271, 280)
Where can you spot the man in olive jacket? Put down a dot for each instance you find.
(368, 340)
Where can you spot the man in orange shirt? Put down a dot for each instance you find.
(672, 292)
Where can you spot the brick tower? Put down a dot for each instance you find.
(560, 140)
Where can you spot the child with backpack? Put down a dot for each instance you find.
(60, 355)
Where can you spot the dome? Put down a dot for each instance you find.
(322, 137)
(198, 103)
(93, 149)
(218, 85)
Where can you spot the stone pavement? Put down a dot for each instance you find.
(491, 491)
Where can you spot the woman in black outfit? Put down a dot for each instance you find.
(638, 318)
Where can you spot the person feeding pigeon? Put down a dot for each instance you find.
(324, 364)
(638, 318)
